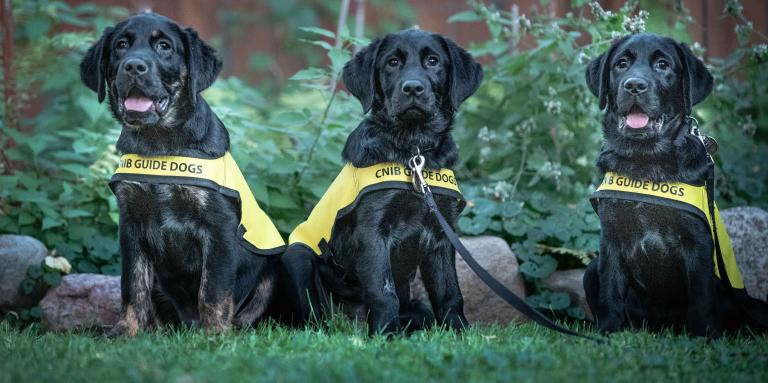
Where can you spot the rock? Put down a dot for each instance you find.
(481, 305)
(571, 283)
(748, 229)
(17, 253)
(82, 301)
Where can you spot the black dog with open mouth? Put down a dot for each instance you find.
(655, 266)
(195, 247)
(412, 82)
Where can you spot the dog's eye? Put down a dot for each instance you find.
(432, 61)
(662, 64)
(121, 44)
(163, 46)
(622, 64)
(393, 62)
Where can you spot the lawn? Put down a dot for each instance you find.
(342, 352)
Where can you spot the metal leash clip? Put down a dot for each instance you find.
(416, 164)
(710, 145)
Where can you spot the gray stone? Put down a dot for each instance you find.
(481, 305)
(571, 283)
(748, 229)
(17, 253)
(82, 301)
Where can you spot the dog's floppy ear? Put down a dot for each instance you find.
(95, 64)
(598, 73)
(359, 74)
(696, 80)
(203, 65)
(464, 75)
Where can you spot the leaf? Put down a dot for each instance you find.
(49, 222)
(309, 74)
(465, 17)
(473, 226)
(74, 213)
(319, 31)
(52, 279)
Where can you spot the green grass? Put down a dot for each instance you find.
(342, 352)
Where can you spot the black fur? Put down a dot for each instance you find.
(655, 266)
(181, 258)
(378, 247)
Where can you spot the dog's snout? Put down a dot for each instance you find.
(636, 85)
(135, 67)
(412, 88)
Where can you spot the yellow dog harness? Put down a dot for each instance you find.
(257, 232)
(693, 199)
(349, 187)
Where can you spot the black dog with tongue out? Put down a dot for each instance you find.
(195, 247)
(658, 264)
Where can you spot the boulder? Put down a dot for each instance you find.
(17, 253)
(481, 305)
(748, 229)
(82, 301)
(571, 283)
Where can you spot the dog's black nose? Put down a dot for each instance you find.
(135, 67)
(635, 85)
(412, 88)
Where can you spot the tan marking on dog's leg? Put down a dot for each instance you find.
(217, 316)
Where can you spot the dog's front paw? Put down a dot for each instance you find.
(456, 322)
(123, 328)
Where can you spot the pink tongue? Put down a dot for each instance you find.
(637, 120)
(138, 104)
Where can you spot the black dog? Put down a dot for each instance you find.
(412, 82)
(655, 266)
(181, 258)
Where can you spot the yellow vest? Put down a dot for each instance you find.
(347, 189)
(679, 195)
(257, 232)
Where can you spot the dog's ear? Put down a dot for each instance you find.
(201, 61)
(359, 74)
(95, 64)
(598, 73)
(696, 81)
(464, 75)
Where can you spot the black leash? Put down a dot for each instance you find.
(710, 146)
(416, 164)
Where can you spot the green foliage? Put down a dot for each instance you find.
(530, 136)
(58, 191)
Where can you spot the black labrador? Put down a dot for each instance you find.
(655, 267)
(181, 262)
(412, 82)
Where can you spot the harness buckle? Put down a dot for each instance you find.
(416, 164)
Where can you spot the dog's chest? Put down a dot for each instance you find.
(172, 219)
(653, 244)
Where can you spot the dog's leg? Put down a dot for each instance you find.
(438, 270)
(609, 304)
(379, 295)
(300, 285)
(217, 282)
(135, 283)
(414, 314)
(704, 317)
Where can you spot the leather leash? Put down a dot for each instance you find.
(416, 164)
